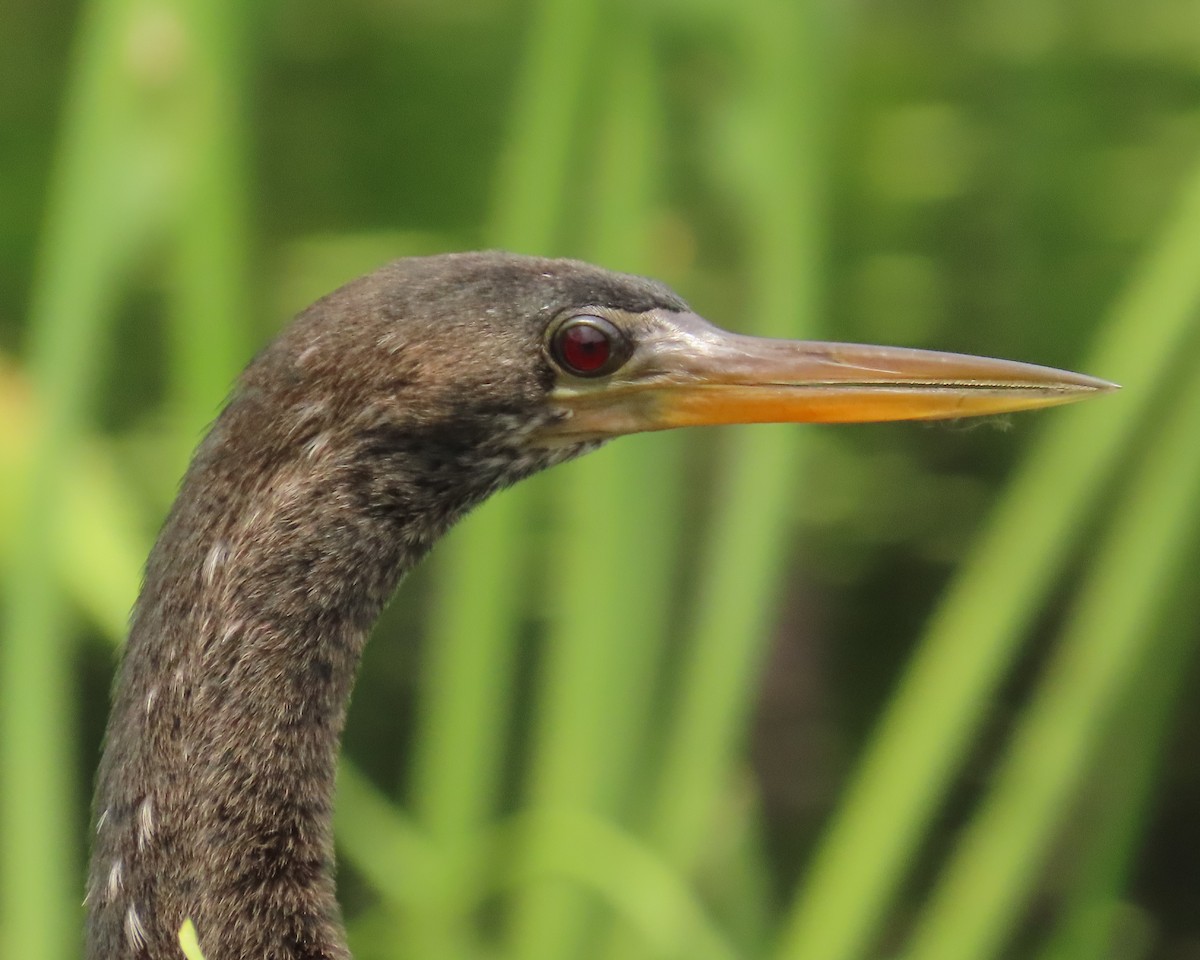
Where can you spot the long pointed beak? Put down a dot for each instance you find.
(686, 372)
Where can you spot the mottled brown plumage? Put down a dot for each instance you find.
(378, 418)
(350, 445)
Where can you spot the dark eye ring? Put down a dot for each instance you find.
(587, 345)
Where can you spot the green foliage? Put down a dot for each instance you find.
(674, 700)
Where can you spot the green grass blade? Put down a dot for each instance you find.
(100, 565)
(189, 942)
(774, 142)
(534, 169)
(608, 591)
(781, 175)
(640, 888)
(975, 631)
(979, 896)
(381, 843)
(210, 321)
(94, 223)
(1089, 923)
(478, 607)
(465, 705)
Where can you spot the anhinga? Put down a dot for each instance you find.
(378, 418)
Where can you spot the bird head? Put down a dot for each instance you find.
(504, 364)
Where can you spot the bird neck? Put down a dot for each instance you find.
(215, 789)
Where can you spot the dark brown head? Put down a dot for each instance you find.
(439, 368)
(495, 365)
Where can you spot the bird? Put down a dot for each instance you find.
(350, 444)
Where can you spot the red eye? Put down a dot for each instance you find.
(588, 346)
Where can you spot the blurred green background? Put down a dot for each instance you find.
(801, 693)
